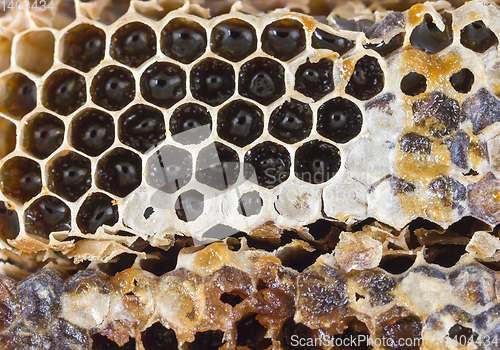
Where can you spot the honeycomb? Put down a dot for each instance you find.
(211, 175)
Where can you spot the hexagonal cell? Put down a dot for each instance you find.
(367, 79)
(163, 84)
(212, 81)
(189, 205)
(43, 134)
(233, 39)
(183, 40)
(18, 95)
(240, 122)
(133, 44)
(250, 203)
(8, 137)
(284, 39)
(46, 215)
(384, 49)
(92, 131)
(83, 47)
(315, 80)
(317, 162)
(462, 81)
(413, 84)
(477, 37)
(169, 169)
(70, 176)
(40, 45)
(339, 120)
(262, 80)
(20, 179)
(119, 172)
(428, 38)
(9, 222)
(113, 88)
(291, 122)
(64, 91)
(325, 40)
(190, 124)
(267, 164)
(217, 166)
(97, 210)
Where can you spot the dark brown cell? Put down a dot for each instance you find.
(158, 337)
(97, 210)
(462, 80)
(169, 169)
(217, 166)
(45, 215)
(64, 92)
(251, 333)
(113, 88)
(240, 122)
(233, 39)
(428, 38)
(315, 80)
(70, 176)
(183, 40)
(482, 198)
(92, 131)
(101, 342)
(325, 40)
(67, 336)
(133, 44)
(20, 179)
(317, 162)
(119, 172)
(250, 203)
(83, 47)
(413, 84)
(384, 48)
(212, 81)
(9, 306)
(291, 122)
(458, 145)
(8, 135)
(284, 39)
(262, 80)
(141, 127)
(367, 79)
(482, 108)
(415, 143)
(477, 37)
(189, 206)
(18, 95)
(339, 120)
(406, 331)
(291, 334)
(448, 190)
(267, 164)
(190, 124)
(439, 113)
(43, 134)
(9, 224)
(163, 84)
(209, 340)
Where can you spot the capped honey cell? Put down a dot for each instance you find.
(189, 205)
(83, 47)
(217, 166)
(70, 176)
(45, 215)
(119, 172)
(43, 134)
(163, 84)
(92, 131)
(284, 39)
(315, 80)
(18, 95)
(212, 81)
(64, 92)
(113, 88)
(340, 120)
(262, 80)
(367, 79)
(98, 209)
(169, 169)
(427, 36)
(133, 43)
(190, 123)
(20, 179)
(477, 37)
(233, 39)
(291, 122)
(183, 40)
(317, 162)
(267, 164)
(240, 122)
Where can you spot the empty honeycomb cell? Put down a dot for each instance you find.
(262, 79)
(462, 80)
(18, 95)
(415, 143)
(70, 176)
(158, 337)
(315, 80)
(217, 166)
(64, 92)
(45, 215)
(98, 209)
(101, 342)
(291, 334)
(317, 162)
(9, 223)
(267, 164)
(8, 136)
(92, 131)
(384, 49)
(413, 84)
(252, 334)
(367, 79)
(190, 123)
(339, 119)
(428, 38)
(477, 37)
(250, 203)
(113, 88)
(40, 45)
(132, 44)
(20, 179)
(83, 47)
(163, 84)
(189, 205)
(325, 40)
(212, 81)
(169, 169)
(284, 39)
(43, 134)
(209, 340)
(183, 40)
(240, 122)
(141, 127)
(233, 39)
(119, 172)
(291, 122)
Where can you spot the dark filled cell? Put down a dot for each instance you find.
(438, 112)
(133, 44)
(169, 169)
(163, 84)
(406, 330)
(315, 80)
(477, 37)
(267, 164)
(252, 334)
(415, 143)
(262, 80)
(217, 166)
(45, 215)
(384, 48)
(119, 172)
(291, 122)
(212, 81)
(20, 179)
(190, 124)
(428, 38)
(250, 203)
(240, 123)
(64, 92)
(158, 337)
(83, 47)
(70, 176)
(291, 332)
(8, 134)
(209, 340)
(189, 206)
(92, 131)
(18, 95)
(43, 134)
(462, 80)
(340, 120)
(9, 223)
(97, 210)
(413, 84)
(367, 79)
(101, 342)
(317, 162)
(233, 39)
(325, 40)
(284, 39)
(183, 40)
(113, 88)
